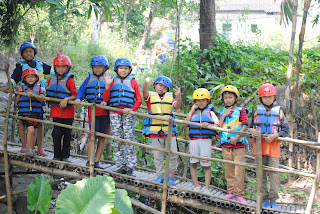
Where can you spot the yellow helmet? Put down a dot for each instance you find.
(230, 88)
(201, 93)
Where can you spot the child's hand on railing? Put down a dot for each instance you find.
(77, 102)
(103, 103)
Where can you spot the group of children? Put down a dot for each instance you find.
(123, 92)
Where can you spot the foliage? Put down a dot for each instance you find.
(39, 198)
(93, 195)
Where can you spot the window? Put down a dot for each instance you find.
(254, 28)
(226, 30)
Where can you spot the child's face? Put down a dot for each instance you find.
(30, 78)
(98, 69)
(202, 103)
(161, 88)
(268, 100)
(123, 70)
(229, 98)
(61, 69)
(28, 54)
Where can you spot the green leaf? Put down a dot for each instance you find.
(92, 195)
(57, 3)
(39, 197)
(115, 211)
(122, 202)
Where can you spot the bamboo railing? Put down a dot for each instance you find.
(167, 150)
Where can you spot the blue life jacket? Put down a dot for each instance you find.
(30, 105)
(163, 108)
(200, 117)
(39, 68)
(122, 93)
(232, 122)
(59, 89)
(268, 123)
(95, 88)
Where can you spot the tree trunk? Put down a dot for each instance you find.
(94, 27)
(124, 28)
(289, 74)
(299, 61)
(208, 30)
(146, 32)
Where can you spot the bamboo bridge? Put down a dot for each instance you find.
(142, 181)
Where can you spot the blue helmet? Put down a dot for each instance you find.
(26, 45)
(165, 81)
(100, 60)
(122, 61)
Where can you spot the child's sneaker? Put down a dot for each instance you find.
(242, 200)
(274, 205)
(24, 149)
(41, 152)
(229, 196)
(197, 189)
(29, 153)
(207, 192)
(266, 204)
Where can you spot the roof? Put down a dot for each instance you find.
(251, 5)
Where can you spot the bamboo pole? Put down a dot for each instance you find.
(93, 139)
(143, 206)
(166, 168)
(315, 186)
(259, 174)
(314, 114)
(13, 125)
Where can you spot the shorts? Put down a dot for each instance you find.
(200, 147)
(28, 123)
(101, 125)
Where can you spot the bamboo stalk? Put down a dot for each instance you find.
(13, 125)
(315, 186)
(314, 113)
(166, 168)
(259, 174)
(143, 206)
(93, 139)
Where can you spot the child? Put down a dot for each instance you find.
(270, 121)
(61, 85)
(92, 89)
(28, 52)
(123, 92)
(234, 118)
(30, 107)
(160, 103)
(200, 138)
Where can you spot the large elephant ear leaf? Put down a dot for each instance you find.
(122, 202)
(39, 197)
(92, 195)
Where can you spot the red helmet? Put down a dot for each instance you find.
(30, 71)
(267, 90)
(62, 60)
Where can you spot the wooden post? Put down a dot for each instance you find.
(108, 146)
(92, 139)
(5, 152)
(315, 187)
(186, 159)
(166, 169)
(259, 174)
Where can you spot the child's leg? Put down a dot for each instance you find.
(39, 135)
(207, 176)
(274, 180)
(57, 134)
(128, 134)
(117, 131)
(31, 137)
(100, 148)
(158, 156)
(67, 133)
(265, 191)
(205, 151)
(239, 156)
(229, 169)
(173, 158)
(22, 132)
(194, 173)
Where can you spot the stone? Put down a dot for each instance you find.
(4, 209)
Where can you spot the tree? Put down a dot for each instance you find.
(208, 30)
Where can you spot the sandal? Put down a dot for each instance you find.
(24, 149)
(159, 179)
(41, 152)
(171, 183)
